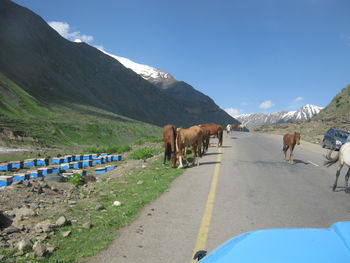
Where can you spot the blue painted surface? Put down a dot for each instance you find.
(33, 174)
(16, 165)
(29, 163)
(20, 177)
(55, 169)
(93, 156)
(103, 154)
(77, 158)
(5, 183)
(100, 171)
(43, 172)
(74, 165)
(64, 166)
(108, 168)
(56, 160)
(301, 245)
(4, 167)
(87, 163)
(96, 161)
(41, 162)
(86, 157)
(103, 160)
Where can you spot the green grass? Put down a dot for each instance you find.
(109, 149)
(340, 105)
(65, 126)
(156, 179)
(144, 153)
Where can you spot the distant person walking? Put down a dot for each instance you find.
(228, 130)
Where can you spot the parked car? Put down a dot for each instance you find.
(291, 245)
(334, 138)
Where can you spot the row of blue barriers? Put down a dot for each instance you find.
(65, 163)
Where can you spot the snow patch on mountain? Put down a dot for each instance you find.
(258, 119)
(147, 72)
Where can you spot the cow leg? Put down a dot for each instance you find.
(285, 149)
(337, 176)
(179, 156)
(194, 152)
(347, 178)
(291, 155)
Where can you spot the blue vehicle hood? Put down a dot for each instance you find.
(286, 246)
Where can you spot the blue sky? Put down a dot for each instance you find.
(247, 55)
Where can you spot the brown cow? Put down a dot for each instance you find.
(216, 130)
(206, 137)
(189, 137)
(169, 137)
(289, 141)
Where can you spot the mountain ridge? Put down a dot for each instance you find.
(254, 120)
(56, 71)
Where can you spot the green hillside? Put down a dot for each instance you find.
(340, 105)
(56, 71)
(67, 125)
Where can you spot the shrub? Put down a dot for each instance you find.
(110, 149)
(76, 179)
(144, 153)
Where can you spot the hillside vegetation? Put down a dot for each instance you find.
(23, 120)
(335, 115)
(58, 72)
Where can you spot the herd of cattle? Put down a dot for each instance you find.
(177, 140)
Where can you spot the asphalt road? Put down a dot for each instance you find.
(255, 189)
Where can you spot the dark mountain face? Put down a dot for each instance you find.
(195, 102)
(57, 71)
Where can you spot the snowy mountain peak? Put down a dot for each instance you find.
(147, 72)
(253, 120)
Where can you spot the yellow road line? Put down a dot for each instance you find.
(204, 228)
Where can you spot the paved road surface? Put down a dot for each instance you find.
(255, 189)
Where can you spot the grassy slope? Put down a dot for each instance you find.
(340, 105)
(65, 125)
(335, 115)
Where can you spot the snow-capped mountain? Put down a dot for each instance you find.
(147, 72)
(258, 119)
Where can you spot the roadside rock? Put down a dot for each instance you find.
(24, 245)
(62, 221)
(44, 226)
(24, 212)
(117, 203)
(66, 233)
(50, 249)
(5, 221)
(10, 230)
(87, 225)
(39, 249)
(100, 207)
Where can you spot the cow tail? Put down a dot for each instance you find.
(173, 141)
(177, 142)
(220, 135)
(168, 151)
(329, 160)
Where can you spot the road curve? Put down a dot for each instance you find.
(255, 189)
